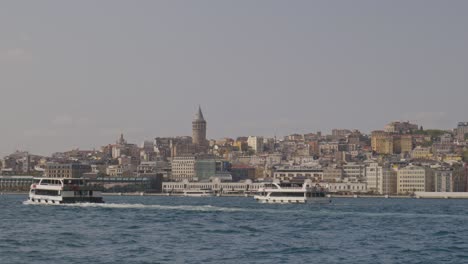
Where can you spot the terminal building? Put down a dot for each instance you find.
(15, 183)
(215, 185)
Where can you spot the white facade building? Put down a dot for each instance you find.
(412, 179)
(381, 180)
(354, 172)
(183, 167)
(256, 143)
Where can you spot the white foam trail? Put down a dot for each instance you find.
(207, 208)
(201, 208)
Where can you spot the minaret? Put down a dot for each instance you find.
(199, 129)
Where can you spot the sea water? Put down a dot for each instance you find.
(155, 229)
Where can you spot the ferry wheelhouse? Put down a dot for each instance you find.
(62, 191)
(291, 193)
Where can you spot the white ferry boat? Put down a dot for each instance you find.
(291, 193)
(198, 193)
(62, 191)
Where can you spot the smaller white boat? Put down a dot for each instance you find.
(291, 193)
(198, 193)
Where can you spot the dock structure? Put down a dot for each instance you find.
(441, 195)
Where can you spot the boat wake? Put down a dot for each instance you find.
(207, 208)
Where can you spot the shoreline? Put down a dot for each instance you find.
(454, 195)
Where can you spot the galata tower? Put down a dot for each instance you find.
(199, 129)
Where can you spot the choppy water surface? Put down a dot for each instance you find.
(234, 230)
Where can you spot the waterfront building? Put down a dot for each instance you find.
(443, 179)
(142, 183)
(15, 183)
(216, 185)
(71, 170)
(373, 176)
(388, 182)
(199, 167)
(354, 172)
(183, 167)
(332, 174)
(380, 179)
(205, 168)
(413, 178)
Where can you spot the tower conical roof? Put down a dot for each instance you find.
(199, 115)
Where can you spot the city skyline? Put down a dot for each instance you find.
(199, 116)
(256, 69)
(199, 135)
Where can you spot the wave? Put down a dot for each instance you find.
(393, 214)
(306, 210)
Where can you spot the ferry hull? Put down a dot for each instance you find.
(64, 200)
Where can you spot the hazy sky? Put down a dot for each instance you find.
(77, 73)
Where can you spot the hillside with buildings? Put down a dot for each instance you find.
(402, 158)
